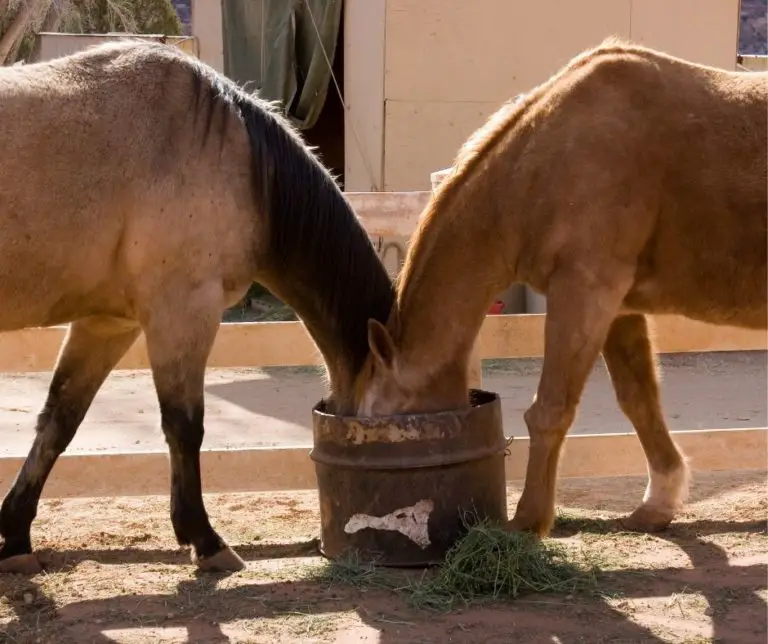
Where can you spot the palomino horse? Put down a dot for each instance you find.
(629, 183)
(140, 190)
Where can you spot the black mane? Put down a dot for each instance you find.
(321, 260)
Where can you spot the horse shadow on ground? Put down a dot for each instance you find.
(203, 610)
(286, 395)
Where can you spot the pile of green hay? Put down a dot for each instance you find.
(487, 564)
(490, 563)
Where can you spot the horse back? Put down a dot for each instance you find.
(109, 184)
(640, 157)
(706, 255)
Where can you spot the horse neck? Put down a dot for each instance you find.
(455, 268)
(342, 354)
(337, 319)
(315, 256)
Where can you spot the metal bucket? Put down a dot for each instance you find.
(397, 490)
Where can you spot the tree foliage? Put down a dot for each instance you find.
(137, 16)
(21, 19)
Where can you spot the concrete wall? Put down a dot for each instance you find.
(753, 63)
(54, 45)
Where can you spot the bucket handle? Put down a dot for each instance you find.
(508, 445)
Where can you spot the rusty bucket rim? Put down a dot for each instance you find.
(495, 398)
(376, 451)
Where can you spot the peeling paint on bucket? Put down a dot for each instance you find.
(413, 522)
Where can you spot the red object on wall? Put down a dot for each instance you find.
(496, 308)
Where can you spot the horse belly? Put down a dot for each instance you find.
(49, 308)
(722, 297)
(44, 289)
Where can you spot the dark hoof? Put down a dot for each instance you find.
(225, 560)
(21, 565)
(646, 519)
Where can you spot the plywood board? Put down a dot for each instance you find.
(207, 26)
(704, 31)
(424, 136)
(522, 336)
(273, 469)
(488, 50)
(364, 94)
(268, 344)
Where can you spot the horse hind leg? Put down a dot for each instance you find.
(580, 311)
(178, 353)
(629, 358)
(91, 350)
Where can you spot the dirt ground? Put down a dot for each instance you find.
(114, 574)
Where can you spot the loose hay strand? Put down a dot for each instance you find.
(487, 564)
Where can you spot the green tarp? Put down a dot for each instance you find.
(272, 46)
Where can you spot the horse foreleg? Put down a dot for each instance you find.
(92, 348)
(579, 314)
(629, 358)
(178, 351)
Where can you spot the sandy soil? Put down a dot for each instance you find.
(261, 407)
(115, 575)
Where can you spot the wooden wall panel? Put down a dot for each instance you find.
(364, 94)
(450, 63)
(705, 31)
(424, 136)
(488, 50)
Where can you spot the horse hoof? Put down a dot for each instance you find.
(21, 565)
(225, 560)
(647, 519)
(518, 526)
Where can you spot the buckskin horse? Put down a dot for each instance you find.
(629, 183)
(142, 191)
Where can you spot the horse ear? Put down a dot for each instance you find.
(380, 343)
